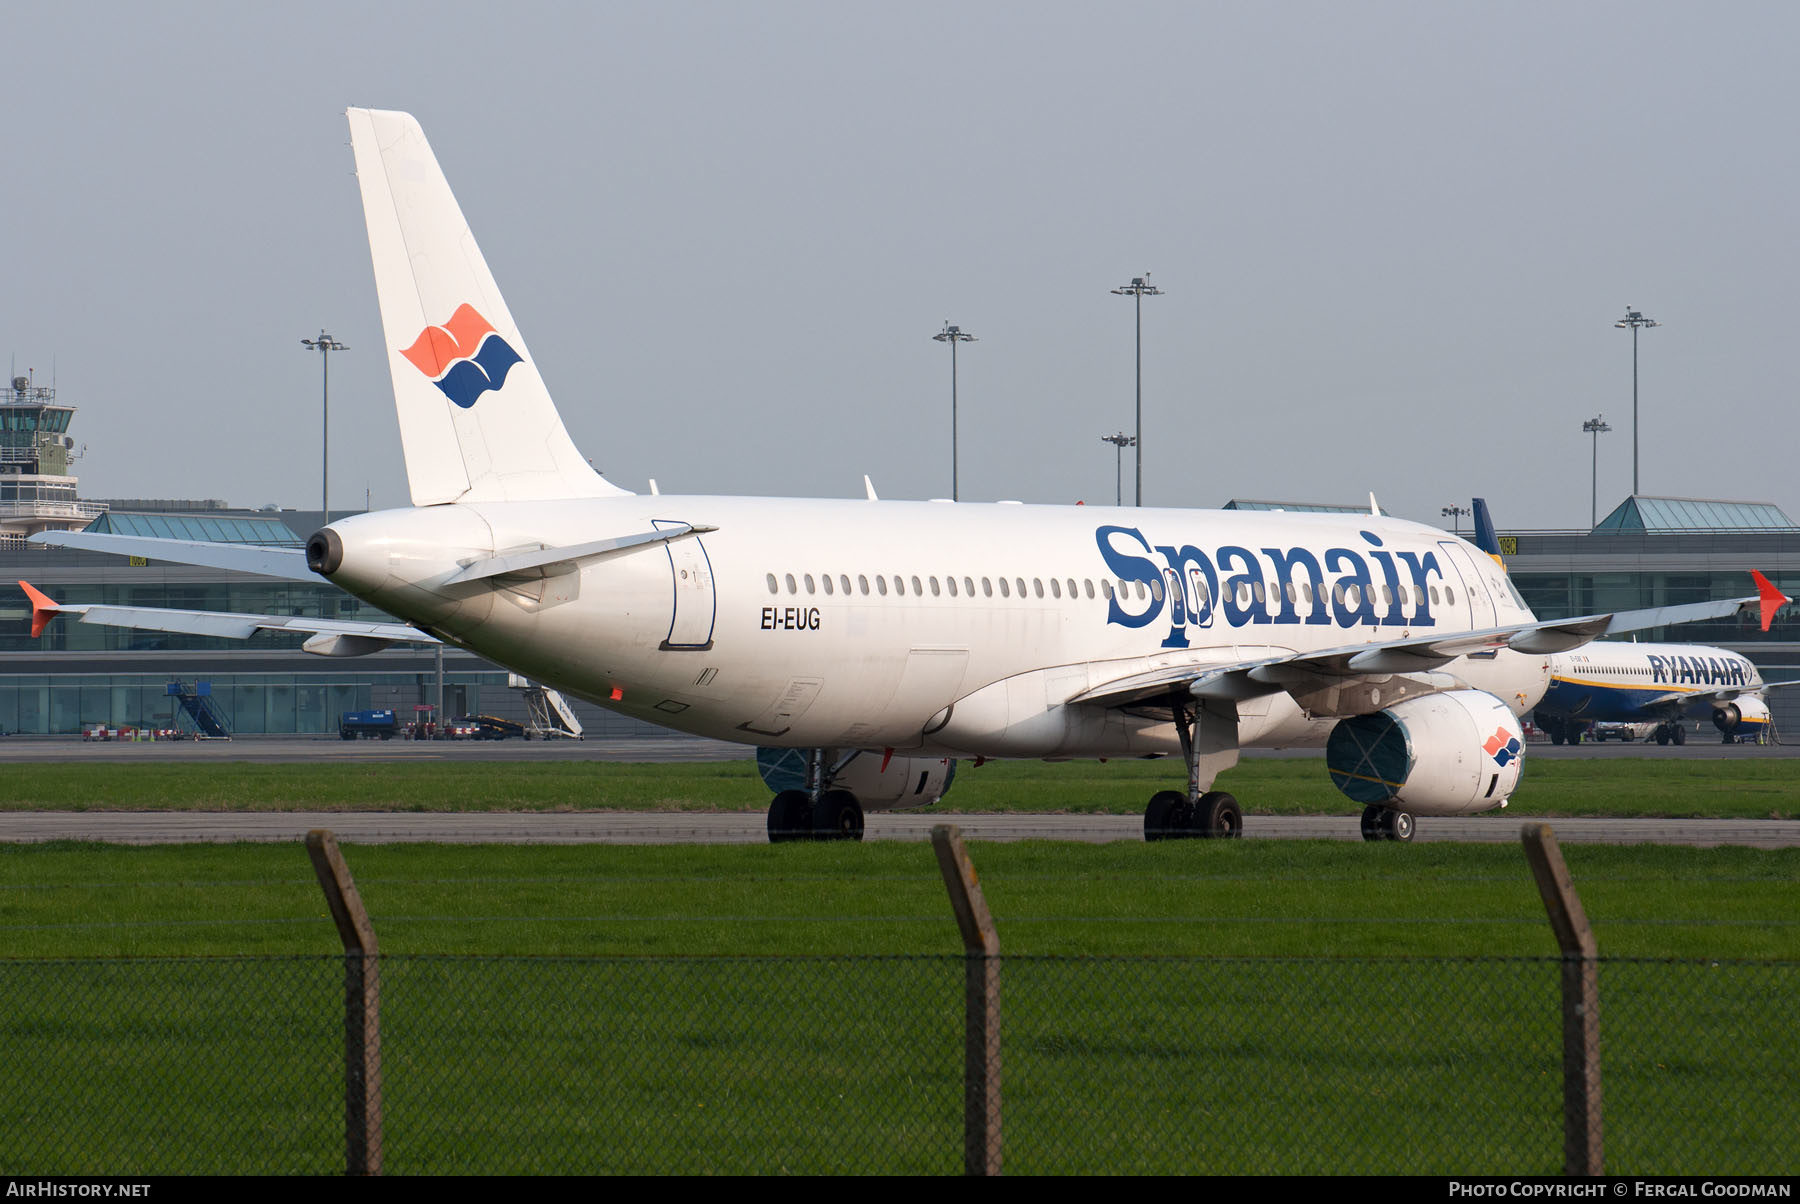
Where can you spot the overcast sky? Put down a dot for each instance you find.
(1393, 237)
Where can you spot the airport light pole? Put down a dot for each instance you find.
(1455, 515)
(1139, 288)
(1120, 442)
(1636, 322)
(953, 335)
(1595, 426)
(325, 345)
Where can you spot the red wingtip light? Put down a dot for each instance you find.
(1771, 598)
(43, 609)
(617, 694)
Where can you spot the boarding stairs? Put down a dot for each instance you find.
(197, 707)
(550, 713)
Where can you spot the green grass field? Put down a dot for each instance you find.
(1240, 1006)
(1721, 788)
(1306, 1007)
(1189, 898)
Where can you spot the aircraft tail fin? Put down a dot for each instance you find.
(476, 420)
(1486, 538)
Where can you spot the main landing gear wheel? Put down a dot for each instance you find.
(1168, 817)
(790, 817)
(1219, 817)
(1371, 822)
(1679, 734)
(837, 816)
(1385, 823)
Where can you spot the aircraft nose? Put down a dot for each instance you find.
(325, 552)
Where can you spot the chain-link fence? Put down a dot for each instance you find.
(855, 1065)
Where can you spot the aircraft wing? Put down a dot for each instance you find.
(1415, 654)
(287, 563)
(328, 637)
(1726, 694)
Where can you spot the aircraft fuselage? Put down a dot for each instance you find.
(827, 623)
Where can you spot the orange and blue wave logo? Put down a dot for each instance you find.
(464, 357)
(1503, 746)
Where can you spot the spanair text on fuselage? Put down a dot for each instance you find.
(923, 625)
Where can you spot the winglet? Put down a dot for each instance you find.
(1771, 598)
(43, 609)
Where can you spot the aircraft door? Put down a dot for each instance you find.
(695, 606)
(1473, 586)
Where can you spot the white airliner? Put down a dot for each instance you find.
(1615, 682)
(887, 638)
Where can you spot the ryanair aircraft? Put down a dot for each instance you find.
(882, 640)
(1613, 682)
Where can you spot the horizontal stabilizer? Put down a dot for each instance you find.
(553, 562)
(261, 560)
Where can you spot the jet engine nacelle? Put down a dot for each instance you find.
(1453, 753)
(879, 785)
(1743, 713)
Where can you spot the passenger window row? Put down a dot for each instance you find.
(901, 585)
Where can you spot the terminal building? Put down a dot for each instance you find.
(1648, 552)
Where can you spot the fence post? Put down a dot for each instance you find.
(362, 1005)
(1582, 1125)
(981, 1003)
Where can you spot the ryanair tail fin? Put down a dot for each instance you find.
(476, 421)
(1486, 538)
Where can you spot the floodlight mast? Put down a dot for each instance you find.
(953, 335)
(325, 345)
(1120, 442)
(1139, 288)
(1455, 515)
(1635, 321)
(1596, 426)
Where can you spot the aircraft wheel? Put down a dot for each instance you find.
(1662, 735)
(1574, 735)
(1556, 737)
(837, 816)
(1680, 734)
(1371, 822)
(1219, 816)
(1168, 817)
(790, 817)
(1397, 825)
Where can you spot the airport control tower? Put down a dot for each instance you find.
(36, 491)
